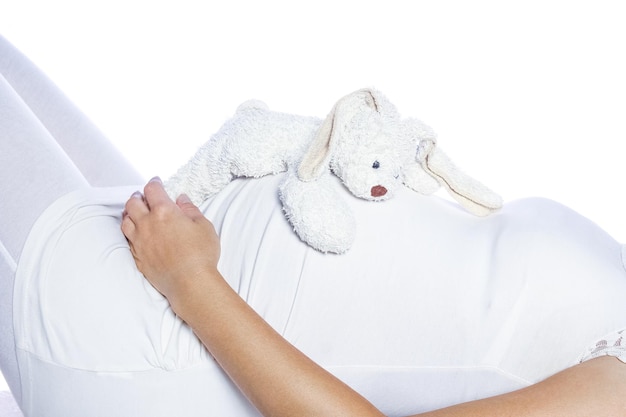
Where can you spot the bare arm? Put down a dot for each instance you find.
(593, 388)
(177, 250)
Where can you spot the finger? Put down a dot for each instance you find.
(155, 194)
(187, 207)
(128, 226)
(136, 206)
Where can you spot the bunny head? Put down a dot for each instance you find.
(364, 142)
(359, 142)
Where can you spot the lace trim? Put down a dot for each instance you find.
(612, 345)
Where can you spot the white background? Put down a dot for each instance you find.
(528, 96)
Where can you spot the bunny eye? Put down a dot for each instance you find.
(376, 165)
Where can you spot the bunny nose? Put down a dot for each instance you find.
(378, 191)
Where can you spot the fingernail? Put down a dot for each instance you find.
(156, 179)
(137, 194)
(183, 198)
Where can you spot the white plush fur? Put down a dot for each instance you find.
(363, 141)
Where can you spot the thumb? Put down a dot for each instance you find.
(188, 208)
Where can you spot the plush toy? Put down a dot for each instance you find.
(363, 142)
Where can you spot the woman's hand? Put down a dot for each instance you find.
(174, 245)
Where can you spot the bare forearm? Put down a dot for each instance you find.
(594, 388)
(281, 381)
(277, 378)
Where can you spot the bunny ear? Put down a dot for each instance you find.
(317, 156)
(471, 194)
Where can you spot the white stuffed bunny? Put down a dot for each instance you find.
(363, 141)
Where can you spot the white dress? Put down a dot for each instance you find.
(430, 307)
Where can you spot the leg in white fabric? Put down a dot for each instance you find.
(34, 171)
(96, 158)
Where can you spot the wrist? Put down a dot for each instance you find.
(199, 292)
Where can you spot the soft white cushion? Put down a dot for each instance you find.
(430, 307)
